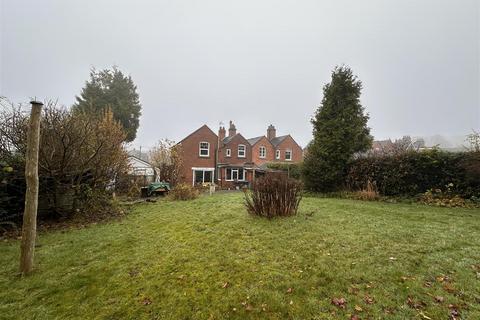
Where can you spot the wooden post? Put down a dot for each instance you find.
(29, 228)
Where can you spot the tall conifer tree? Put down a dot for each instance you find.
(112, 89)
(339, 131)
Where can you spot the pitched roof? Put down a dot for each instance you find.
(252, 141)
(140, 160)
(277, 140)
(228, 139)
(204, 126)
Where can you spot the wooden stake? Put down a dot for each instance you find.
(29, 228)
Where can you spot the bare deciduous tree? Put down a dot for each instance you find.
(166, 156)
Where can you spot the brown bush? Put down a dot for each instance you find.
(274, 196)
(369, 193)
(184, 191)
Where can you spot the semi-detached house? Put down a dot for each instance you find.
(231, 160)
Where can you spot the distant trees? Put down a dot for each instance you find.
(339, 131)
(473, 139)
(110, 88)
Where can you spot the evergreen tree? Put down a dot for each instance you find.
(113, 90)
(339, 131)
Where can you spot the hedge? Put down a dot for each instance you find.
(294, 170)
(413, 173)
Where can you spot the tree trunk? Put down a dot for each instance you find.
(29, 228)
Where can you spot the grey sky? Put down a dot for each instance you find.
(255, 62)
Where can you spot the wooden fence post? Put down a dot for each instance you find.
(29, 227)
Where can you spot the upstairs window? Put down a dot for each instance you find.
(204, 149)
(288, 155)
(228, 152)
(277, 154)
(262, 152)
(241, 151)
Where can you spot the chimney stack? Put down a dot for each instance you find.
(271, 132)
(221, 133)
(232, 130)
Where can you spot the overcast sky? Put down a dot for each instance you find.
(254, 62)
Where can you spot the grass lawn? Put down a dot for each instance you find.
(208, 259)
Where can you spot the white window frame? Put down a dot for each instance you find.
(228, 152)
(200, 149)
(288, 151)
(237, 171)
(264, 149)
(244, 151)
(277, 154)
(212, 170)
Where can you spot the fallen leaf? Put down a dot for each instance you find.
(368, 299)
(339, 302)
(439, 299)
(425, 316)
(354, 317)
(415, 304)
(454, 314)
(358, 308)
(449, 287)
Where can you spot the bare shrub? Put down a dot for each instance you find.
(184, 191)
(79, 157)
(274, 196)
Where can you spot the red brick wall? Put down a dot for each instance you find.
(189, 149)
(233, 146)
(289, 143)
(270, 156)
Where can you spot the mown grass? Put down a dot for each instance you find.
(208, 259)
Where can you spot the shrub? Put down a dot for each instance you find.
(369, 193)
(293, 170)
(274, 195)
(438, 197)
(184, 191)
(77, 153)
(413, 173)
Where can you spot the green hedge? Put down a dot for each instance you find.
(294, 170)
(412, 173)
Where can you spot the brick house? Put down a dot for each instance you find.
(233, 160)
